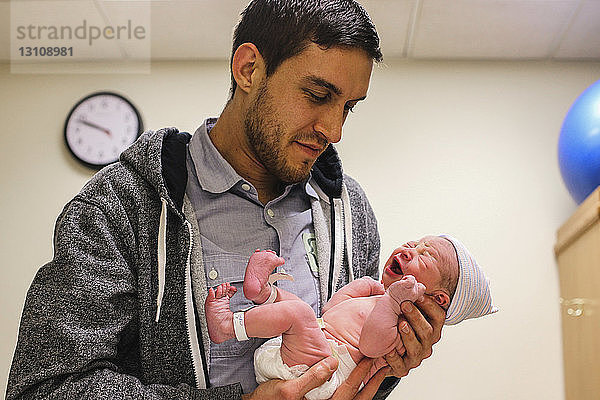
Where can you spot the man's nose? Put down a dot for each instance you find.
(330, 125)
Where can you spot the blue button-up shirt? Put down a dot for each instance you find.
(233, 223)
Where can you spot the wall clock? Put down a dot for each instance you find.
(100, 126)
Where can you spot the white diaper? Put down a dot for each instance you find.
(269, 365)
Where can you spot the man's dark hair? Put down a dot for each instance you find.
(281, 29)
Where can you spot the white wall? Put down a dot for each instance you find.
(466, 148)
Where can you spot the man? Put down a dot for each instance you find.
(118, 312)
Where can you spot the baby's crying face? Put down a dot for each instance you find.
(421, 259)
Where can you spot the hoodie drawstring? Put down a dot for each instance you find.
(162, 256)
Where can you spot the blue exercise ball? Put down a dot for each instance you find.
(579, 145)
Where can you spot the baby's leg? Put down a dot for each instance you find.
(263, 321)
(218, 315)
(379, 334)
(260, 266)
(303, 342)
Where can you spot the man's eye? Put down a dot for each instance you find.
(317, 98)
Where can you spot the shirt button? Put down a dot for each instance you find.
(246, 187)
(270, 213)
(212, 274)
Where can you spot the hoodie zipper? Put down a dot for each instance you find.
(190, 321)
(332, 250)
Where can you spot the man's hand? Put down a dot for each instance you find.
(295, 389)
(420, 330)
(349, 389)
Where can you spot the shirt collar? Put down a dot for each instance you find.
(309, 189)
(214, 173)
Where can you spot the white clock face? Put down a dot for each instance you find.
(100, 127)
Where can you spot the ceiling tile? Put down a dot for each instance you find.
(134, 15)
(194, 29)
(582, 40)
(489, 29)
(473, 29)
(393, 21)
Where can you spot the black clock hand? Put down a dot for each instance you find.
(94, 126)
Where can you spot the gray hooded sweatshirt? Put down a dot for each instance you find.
(118, 312)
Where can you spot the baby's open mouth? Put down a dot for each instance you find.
(395, 267)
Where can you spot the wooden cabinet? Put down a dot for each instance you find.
(578, 254)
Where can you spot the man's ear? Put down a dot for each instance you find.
(442, 298)
(247, 66)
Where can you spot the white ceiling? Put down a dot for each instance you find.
(412, 29)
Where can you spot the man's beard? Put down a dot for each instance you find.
(266, 136)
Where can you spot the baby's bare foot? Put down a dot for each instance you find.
(406, 289)
(260, 266)
(219, 317)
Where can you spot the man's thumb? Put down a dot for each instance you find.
(317, 375)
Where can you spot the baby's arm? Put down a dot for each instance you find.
(363, 287)
(379, 334)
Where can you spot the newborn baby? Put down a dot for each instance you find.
(361, 319)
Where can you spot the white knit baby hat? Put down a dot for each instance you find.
(472, 298)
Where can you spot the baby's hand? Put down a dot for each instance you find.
(407, 288)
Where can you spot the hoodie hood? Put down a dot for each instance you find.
(159, 157)
(328, 173)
